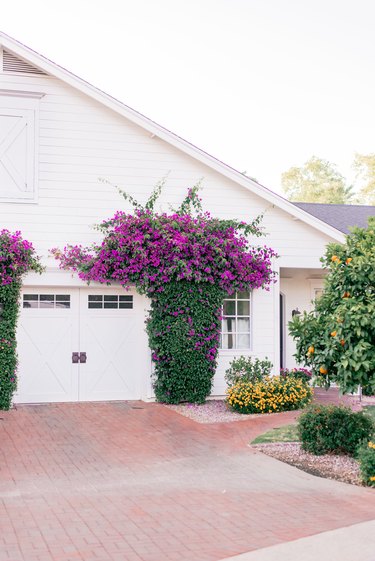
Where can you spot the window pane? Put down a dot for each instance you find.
(30, 297)
(110, 304)
(126, 298)
(128, 305)
(95, 298)
(228, 341)
(243, 308)
(95, 305)
(243, 325)
(229, 325)
(32, 304)
(46, 304)
(63, 297)
(64, 305)
(110, 298)
(243, 295)
(229, 308)
(243, 341)
(47, 297)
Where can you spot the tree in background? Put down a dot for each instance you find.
(317, 181)
(337, 339)
(365, 168)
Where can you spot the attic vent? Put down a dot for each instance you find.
(13, 64)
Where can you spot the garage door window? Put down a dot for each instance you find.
(110, 301)
(51, 301)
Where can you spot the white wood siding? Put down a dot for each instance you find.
(80, 140)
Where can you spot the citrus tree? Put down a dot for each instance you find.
(337, 339)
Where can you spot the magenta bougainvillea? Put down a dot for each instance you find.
(186, 262)
(151, 251)
(17, 256)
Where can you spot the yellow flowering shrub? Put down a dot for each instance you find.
(366, 458)
(271, 395)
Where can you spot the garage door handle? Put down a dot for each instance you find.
(75, 358)
(82, 357)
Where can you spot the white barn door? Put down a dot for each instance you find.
(81, 345)
(112, 333)
(48, 332)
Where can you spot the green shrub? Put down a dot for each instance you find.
(366, 458)
(270, 395)
(17, 257)
(301, 373)
(333, 429)
(184, 330)
(369, 389)
(245, 369)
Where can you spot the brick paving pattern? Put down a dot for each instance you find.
(138, 482)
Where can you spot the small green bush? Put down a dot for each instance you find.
(301, 373)
(270, 395)
(366, 458)
(369, 389)
(333, 429)
(245, 369)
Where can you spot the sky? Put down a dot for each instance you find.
(262, 85)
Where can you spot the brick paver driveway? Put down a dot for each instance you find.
(138, 482)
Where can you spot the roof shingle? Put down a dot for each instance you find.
(341, 217)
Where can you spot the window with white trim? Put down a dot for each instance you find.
(110, 301)
(48, 301)
(17, 155)
(18, 146)
(235, 326)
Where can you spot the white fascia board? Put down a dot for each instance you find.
(144, 122)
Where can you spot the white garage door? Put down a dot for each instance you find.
(81, 345)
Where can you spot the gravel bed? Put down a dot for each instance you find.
(341, 468)
(213, 411)
(217, 411)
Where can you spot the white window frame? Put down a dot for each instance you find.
(26, 105)
(236, 350)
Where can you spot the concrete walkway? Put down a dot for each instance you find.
(138, 482)
(353, 543)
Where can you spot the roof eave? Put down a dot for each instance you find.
(137, 118)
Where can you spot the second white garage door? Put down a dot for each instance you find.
(82, 345)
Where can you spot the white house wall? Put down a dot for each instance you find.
(79, 141)
(298, 293)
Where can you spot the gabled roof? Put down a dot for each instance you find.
(341, 217)
(31, 57)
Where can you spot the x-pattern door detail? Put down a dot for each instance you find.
(16, 154)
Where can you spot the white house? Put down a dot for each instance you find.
(58, 136)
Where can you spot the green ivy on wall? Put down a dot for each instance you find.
(184, 330)
(185, 262)
(17, 257)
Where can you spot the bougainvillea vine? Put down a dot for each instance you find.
(17, 257)
(183, 260)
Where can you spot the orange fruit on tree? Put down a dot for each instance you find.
(349, 259)
(311, 350)
(346, 294)
(342, 342)
(333, 333)
(334, 258)
(323, 370)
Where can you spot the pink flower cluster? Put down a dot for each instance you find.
(150, 250)
(17, 256)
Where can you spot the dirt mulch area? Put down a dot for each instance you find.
(341, 468)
